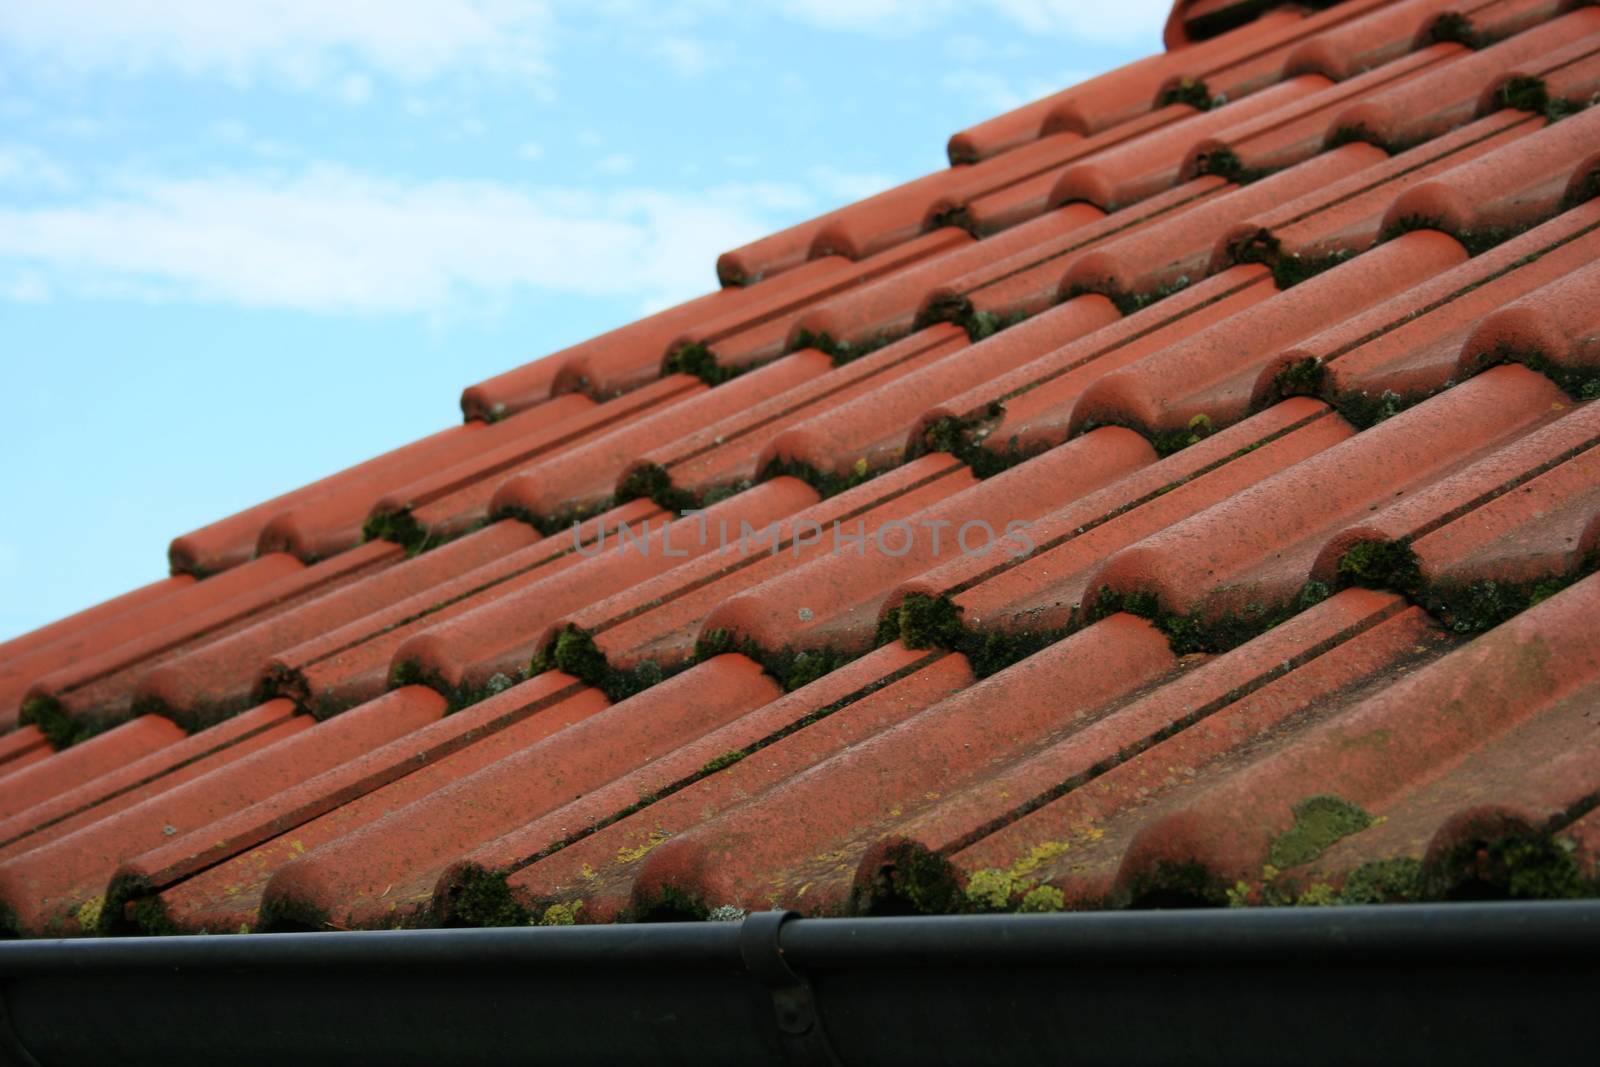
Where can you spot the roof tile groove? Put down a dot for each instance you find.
(1191, 496)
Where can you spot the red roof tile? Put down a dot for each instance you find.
(1192, 494)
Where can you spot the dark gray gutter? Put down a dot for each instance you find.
(1459, 983)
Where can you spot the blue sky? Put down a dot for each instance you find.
(244, 244)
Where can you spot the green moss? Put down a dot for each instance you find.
(1380, 565)
(483, 898)
(698, 360)
(1319, 822)
(1170, 442)
(1473, 607)
(1129, 303)
(652, 482)
(573, 651)
(1580, 383)
(398, 527)
(290, 913)
(1191, 91)
(1194, 632)
(826, 483)
(1391, 881)
(1303, 377)
(959, 217)
(791, 668)
(981, 325)
(910, 879)
(58, 727)
(1455, 28)
(1476, 242)
(726, 759)
(1523, 93)
(1290, 271)
(1363, 410)
(1513, 866)
(1225, 163)
(842, 352)
(929, 622)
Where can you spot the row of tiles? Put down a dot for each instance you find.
(358, 817)
(1401, 321)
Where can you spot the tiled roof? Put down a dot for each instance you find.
(1268, 363)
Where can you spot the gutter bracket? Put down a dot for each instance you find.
(805, 1043)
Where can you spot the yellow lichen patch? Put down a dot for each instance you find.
(994, 888)
(639, 852)
(88, 913)
(588, 873)
(562, 914)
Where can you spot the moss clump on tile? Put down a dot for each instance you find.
(1226, 164)
(288, 914)
(652, 482)
(1303, 377)
(1476, 242)
(574, 652)
(1380, 565)
(826, 483)
(1289, 271)
(790, 667)
(483, 898)
(1319, 822)
(1191, 91)
(398, 527)
(698, 360)
(1169, 442)
(1452, 27)
(923, 621)
(1172, 884)
(842, 352)
(961, 437)
(1580, 383)
(58, 727)
(1196, 632)
(1523, 93)
(981, 325)
(910, 880)
(667, 904)
(1473, 607)
(1129, 303)
(1390, 881)
(1363, 410)
(959, 217)
(1512, 866)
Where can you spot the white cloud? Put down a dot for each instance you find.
(333, 240)
(25, 167)
(874, 15)
(1125, 21)
(615, 163)
(25, 288)
(841, 185)
(530, 150)
(304, 43)
(686, 56)
(995, 93)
